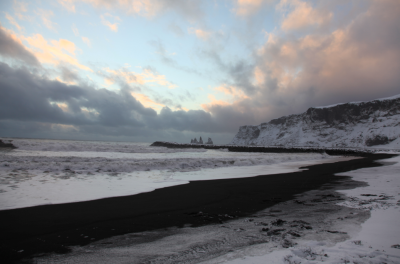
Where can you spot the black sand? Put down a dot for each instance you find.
(53, 228)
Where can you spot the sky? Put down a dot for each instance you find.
(172, 70)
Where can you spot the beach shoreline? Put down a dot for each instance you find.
(54, 228)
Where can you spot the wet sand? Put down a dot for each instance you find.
(54, 228)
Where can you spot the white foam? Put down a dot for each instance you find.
(90, 146)
(40, 188)
(30, 177)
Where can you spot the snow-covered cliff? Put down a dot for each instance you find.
(358, 124)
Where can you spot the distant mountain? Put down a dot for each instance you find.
(358, 124)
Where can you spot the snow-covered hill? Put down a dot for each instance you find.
(358, 124)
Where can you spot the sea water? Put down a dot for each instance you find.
(61, 171)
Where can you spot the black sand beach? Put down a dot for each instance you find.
(53, 228)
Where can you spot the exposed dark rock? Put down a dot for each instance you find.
(335, 232)
(336, 151)
(286, 243)
(378, 140)
(396, 246)
(6, 144)
(292, 233)
(275, 232)
(300, 222)
(278, 222)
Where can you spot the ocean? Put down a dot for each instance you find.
(44, 171)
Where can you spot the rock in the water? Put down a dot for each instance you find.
(209, 141)
(292, 233)
(286, 243)
(200, 141)
(275, 232)
(6, 144)
(278, 222)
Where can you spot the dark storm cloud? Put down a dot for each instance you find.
(28, 97)
(15, 50)
(68, 75)
(48, 105)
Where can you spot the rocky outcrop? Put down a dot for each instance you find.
(194, 141)
(6, 144)
(360, 124)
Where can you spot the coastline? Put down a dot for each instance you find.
(55, 228)
(363, 229)
(333, 151)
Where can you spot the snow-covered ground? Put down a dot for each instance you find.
(359, 102)
(320, 226)
(54, 171)
(375, 242)
(372, 124)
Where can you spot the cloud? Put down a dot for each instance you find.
(20, 8)
(87, 41)
(239, 72)
(190, 9)
(347, 61)
(234, 92)
(68, 76)
(46, 106)
(61, 51)
(167, 57)
(246, 8)
(45, 15)
(292, 72)
(177, 30)
(39, 99)
(147, 102)
(162, 52)
(200, 33)
(75, 30)
(13, 22)
(301, 15)
(147, 76)
(68, 4)
(12, 47)
(113, 27)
